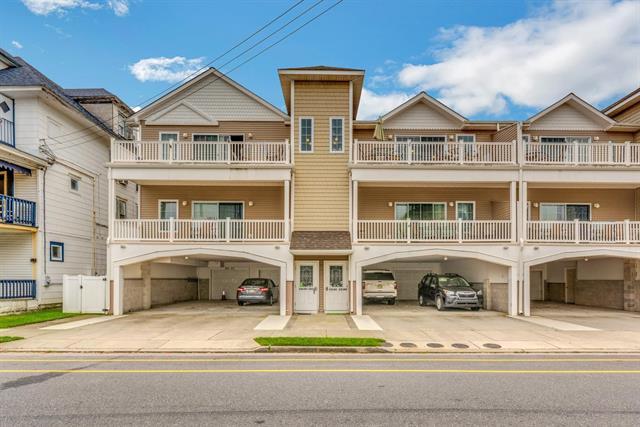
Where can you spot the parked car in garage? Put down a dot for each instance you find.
(257, 290)
(448, 290)
(379, 285)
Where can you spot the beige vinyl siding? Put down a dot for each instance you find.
(423, 115)
(262, 131)
(321, 177)
(566, 117)
(491, 203)
(481, 135)
(604, 136)
(268, 201)
(507, 134)
(615, 204)
(630, 115)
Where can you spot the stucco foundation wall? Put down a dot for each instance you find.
(499, 297)
(132, 295)
(17, 305)
(600, 293)
(168, 291)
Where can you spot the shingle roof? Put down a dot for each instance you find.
(320, 240)
(27, 75)
(89, 93)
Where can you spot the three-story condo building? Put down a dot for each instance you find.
(231, 188)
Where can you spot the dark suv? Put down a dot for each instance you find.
(448, 290)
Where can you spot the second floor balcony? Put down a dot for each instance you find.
(417, 231)
(201, 152)
(626, 232)
(582, 153)
(16, 211)
(199, 230)
(434, 153)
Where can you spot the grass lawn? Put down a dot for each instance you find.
(12, 320)
(319, 341)
(7, 339)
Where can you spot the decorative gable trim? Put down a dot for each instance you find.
(601, 120)
(156, 119)
(427, 99)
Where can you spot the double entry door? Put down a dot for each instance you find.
(307, 287)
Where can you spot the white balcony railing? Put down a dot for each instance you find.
(434, 231)
(434, 152)
(200, 152)
(583, 154)
(584, 231)
(199, 230)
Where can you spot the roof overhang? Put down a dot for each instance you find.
(288, 75)
(21, 158)
(320, 252)
(623, 103)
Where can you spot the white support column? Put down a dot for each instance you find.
(524, 207)
(513, 215)
(358, 290)
(117, 278)
(111, 211)
(513, 291)
(287, 214)
(282, 296)
(526, 294)
(523, 227)
(354, 231)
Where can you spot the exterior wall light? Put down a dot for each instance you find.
(390, 204)
(184, 203)
(451, 204)
(250, 135)
(596, 205)
(535, 204)
(250, 203)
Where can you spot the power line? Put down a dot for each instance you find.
(203, 67)
(247, 60)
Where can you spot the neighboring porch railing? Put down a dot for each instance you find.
(583, 154)
(17, 211)
(7, 132)
(14, 289)
(200, 152)
(434, 231)
(201, 230)
(584, 231)
(434, 152)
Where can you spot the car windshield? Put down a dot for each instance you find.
(453, 281)
(256, 282)
(378, 275)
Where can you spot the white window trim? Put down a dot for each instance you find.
(331, 119)
(526, 138)
(193, 202)
(126, 206)
(472, 202)
(177, 202)
(563, 136)
(78, 179)
(466, 134)
(313, 128)
(177, 134)
(446, 216)
(444, 137)
(565, 206)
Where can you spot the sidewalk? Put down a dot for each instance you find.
(192, 327)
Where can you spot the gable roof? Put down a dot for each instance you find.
(97, 96)
(575, 101)
(159, 103)
(24, 74)
(428, 100)
(627, 101)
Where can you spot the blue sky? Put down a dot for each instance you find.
(487, 60)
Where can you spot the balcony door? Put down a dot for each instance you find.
(565, 211)
(218, 211)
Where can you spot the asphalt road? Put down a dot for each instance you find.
(148, 389)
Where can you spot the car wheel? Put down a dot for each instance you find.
(475, 308)
(240, 303)
(392, 301)
(421, 301)
(439, 303)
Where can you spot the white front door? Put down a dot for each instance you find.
(336, 287)
(306, 296)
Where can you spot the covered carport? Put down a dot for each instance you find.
(493, 275)
(588, 279)
(192, 275)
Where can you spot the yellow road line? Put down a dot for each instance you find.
(364, 360)
(287, 371)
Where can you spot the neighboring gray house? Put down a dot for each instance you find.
(54, 147)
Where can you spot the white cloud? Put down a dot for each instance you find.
(163, 69)
(590, 48)
(46, 7)
(136, 108)
(373, 105)
(17, 44)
